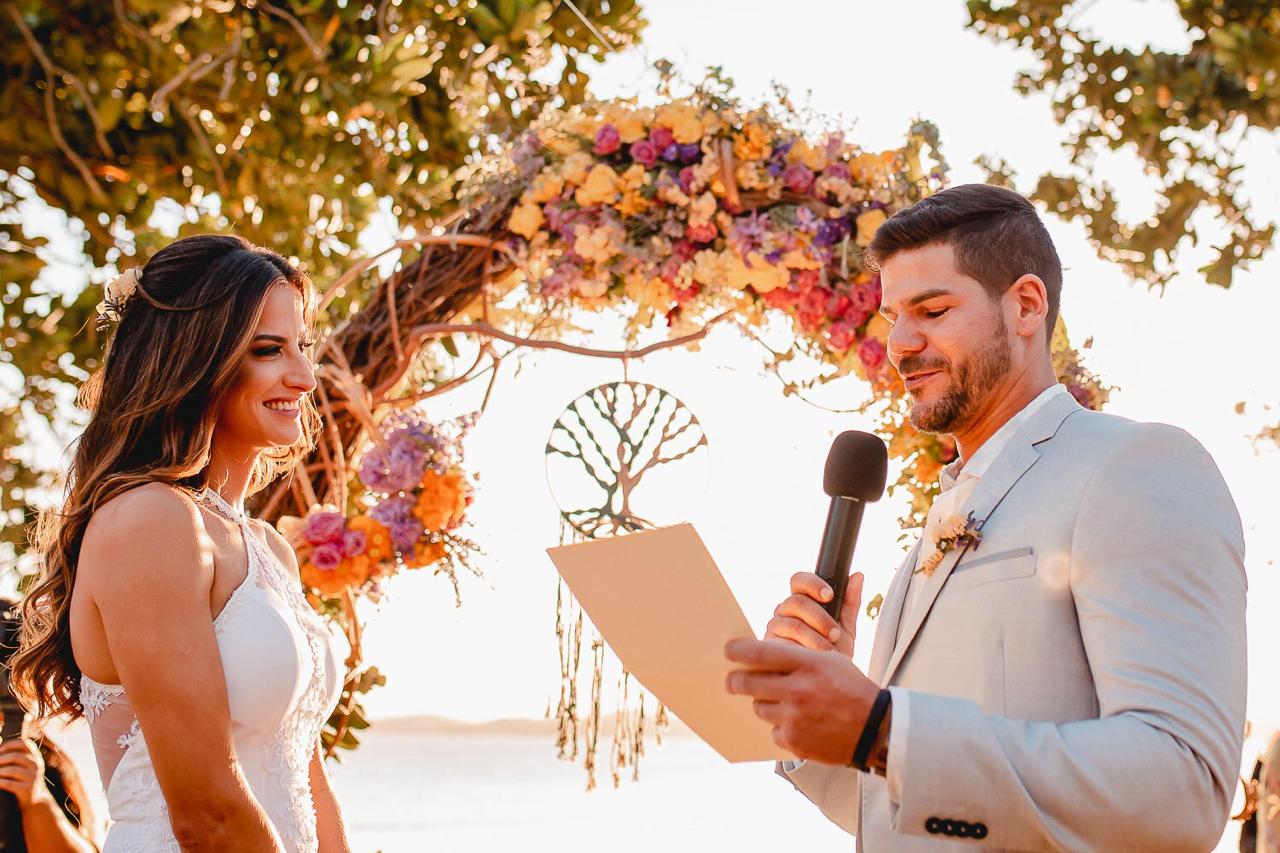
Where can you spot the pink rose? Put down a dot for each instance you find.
(815, 301)
(687, 179)
(644, 152)
(865, 297)
(797, 178)
(326, 557)
(684, 250)
(324, 527)
(661, 137)
(354, 543)
(841, 336)
(871, 351)
(806, 280)
(837, 305)
(607, 139)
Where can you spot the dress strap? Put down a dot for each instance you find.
(221, 506)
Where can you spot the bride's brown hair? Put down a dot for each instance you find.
(153, 405)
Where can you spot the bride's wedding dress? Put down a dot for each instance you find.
(283, 676)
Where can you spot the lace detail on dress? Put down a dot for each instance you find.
(95, 697)
(130, 737)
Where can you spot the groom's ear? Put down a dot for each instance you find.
(1028, 297)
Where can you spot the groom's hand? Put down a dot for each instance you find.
(816, 702)
(801, 618)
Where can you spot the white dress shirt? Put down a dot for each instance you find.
(961, 477)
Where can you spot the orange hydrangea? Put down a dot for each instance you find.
(350, 573)
(424, 554)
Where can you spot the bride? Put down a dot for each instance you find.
(164, 615)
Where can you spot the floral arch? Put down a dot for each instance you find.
(695, 212)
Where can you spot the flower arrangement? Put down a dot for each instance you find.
(415, 496)
(697, 207)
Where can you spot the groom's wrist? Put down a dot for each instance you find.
(878, 763)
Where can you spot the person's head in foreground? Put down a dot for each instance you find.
(972, 285)
(207, 368)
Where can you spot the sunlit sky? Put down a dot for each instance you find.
(1185, 358)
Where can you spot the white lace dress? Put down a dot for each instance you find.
(283, 675)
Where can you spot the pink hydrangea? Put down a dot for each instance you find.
(324, 527)
(354, 543)
(607, 140)
(644, 152)
(841, 336)
(326, 557)
(872, 354)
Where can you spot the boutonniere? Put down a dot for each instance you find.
(958, 531)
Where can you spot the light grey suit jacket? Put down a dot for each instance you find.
(1077, 680)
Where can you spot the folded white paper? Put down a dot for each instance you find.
(662, 605)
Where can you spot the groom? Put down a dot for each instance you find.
(1075, 680)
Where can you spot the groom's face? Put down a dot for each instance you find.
(949, 342)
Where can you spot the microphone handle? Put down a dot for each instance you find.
(835, 556)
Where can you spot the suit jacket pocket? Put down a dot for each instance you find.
(987, 568)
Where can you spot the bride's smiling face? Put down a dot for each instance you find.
(264, 406)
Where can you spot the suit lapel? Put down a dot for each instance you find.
(1015, 460)
(890, 614)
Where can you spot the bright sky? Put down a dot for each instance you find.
(1186, 358)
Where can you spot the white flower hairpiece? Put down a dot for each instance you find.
(118, 293)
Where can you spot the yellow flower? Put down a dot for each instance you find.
(684, 121)
(761, 274)
(632, 203)
(600, 187)
(702, 209)
(592, 287)
(868, 168)
(558, 142)
(636, 177)
(595, 244)
(798, 259)
(575, 167)
(709, 267)
(878, 327)
(814, 158)
(526, 220)
(630, 122)
(582, 124)
(868, 222)
(546, 186)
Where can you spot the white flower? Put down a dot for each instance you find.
(123, 286)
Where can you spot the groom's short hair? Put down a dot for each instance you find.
(996, 234)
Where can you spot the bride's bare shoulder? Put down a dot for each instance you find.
(143, 531)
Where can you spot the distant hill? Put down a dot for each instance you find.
(430, 724)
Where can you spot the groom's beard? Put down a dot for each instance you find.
(970, 384)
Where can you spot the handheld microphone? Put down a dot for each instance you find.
(856, 472)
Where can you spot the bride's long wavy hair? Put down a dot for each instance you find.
(153, 405)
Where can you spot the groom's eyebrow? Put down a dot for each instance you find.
(923, 296)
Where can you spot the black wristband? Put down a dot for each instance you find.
(870, 730)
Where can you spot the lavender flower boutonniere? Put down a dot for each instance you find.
(956, 532)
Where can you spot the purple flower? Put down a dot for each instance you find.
(326, 557)
(607, 139)
(831, 231)
(837, 170)
(671, 153)
(644, 152)
(391, 510)
(748, 233)
(324, 527)
(405, 533)
(354, 543)
(559, 285)
(798, 178)
(396, 467)
(661, 137)
(690, 152)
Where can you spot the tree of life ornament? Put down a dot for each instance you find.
(610, 439)
(601, 448)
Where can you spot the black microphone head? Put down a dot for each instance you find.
(857, 467)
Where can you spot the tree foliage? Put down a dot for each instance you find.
(1183, 114)
(287, 121)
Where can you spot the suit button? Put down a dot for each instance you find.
(963, 828)
(979, 830)
(948, 827)
(933, 825)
